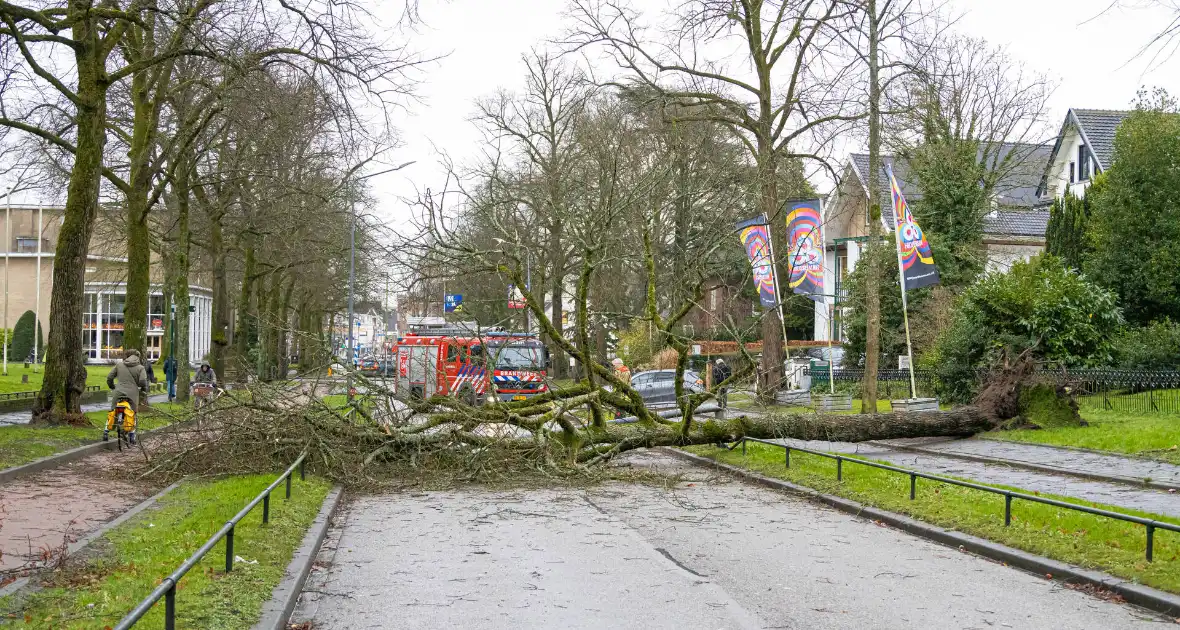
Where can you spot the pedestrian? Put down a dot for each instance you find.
(170, 376)
(721, 373)
(127, 380)
(621, 371)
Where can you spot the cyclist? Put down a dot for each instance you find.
(127, 380)
(204, 382)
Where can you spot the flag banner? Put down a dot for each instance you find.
(917, 263)
(755, 236)
(452, 302)
(805, 253)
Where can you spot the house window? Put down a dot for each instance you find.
(1083, 164)
(1071, 179)
(26, 245)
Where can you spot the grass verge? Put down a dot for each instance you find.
(130, 561)
(1156, 436)
(1080, 539)
(21, 444)
(95, 375)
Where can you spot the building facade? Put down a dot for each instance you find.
(29, 227)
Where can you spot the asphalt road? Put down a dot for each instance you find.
(706, 552)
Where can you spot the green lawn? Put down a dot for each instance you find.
(1089, 541)
(21, 444)
(1156, 436)
(95, 375)
(136, 555)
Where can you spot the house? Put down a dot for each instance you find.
(1014, 228)
(724, 304)
(30, 246)
(1084, 148)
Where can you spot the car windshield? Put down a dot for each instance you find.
(518, 357)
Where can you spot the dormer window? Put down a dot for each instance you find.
(1083, 164)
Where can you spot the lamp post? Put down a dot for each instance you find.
(352, 269)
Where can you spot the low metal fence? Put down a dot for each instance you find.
(891, 384)
(1127, 391)
(33, 394)
(167, 588)
(1008, 495)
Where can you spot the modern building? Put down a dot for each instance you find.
(31, 233)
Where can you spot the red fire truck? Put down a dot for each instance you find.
(511, 366)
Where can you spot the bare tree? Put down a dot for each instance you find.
(784, 96)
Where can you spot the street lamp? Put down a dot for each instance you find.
(352, 263)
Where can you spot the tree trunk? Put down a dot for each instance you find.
(220, 333)
(557, 289)
(873, 272)
(770, 376)
(65, 371)
(180, 289)
(241, 330)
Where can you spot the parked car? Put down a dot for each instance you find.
(658, 387)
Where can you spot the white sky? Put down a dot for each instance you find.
(1090, 59)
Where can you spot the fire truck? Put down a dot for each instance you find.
(511, 366)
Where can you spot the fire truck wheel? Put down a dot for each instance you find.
(467, 395)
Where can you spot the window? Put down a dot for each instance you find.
(1083, 164)
(713, 299)
(26, 244)
(641, 379)
(452, 352)
(1071, 179)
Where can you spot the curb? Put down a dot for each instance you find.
(277, 611)
(1138, 594)
(81, 543)
(984, 459)
(65, 457)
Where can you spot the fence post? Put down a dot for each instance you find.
(1150, 540)
(229, 550)
(288, 485)
(170, 608)
(303, 469)
(913, 485)
(266, 508)
(1007, 509)
(787, 449)
(839, 468)
(743, 446)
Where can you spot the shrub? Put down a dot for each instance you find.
(22, 337)
(1038, 305)
(1152, 347)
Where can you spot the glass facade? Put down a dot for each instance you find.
(102, 326)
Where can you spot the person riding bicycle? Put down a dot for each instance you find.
(721, 372)
(127, 380)
(206, 379)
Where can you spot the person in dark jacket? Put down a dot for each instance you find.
(721, 372)
(170, 376)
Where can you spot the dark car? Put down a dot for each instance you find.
(658, 387)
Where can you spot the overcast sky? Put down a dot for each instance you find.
(1089, 54)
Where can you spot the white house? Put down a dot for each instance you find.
(1084, 148)
(1014, 229)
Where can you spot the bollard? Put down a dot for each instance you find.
(839, 469)
(303, 469)
(1150, 540)
(266, 508)
(1007, 510)
(229, 550)
(170, 608)
(787, 449)
(288, 485)
(913, 486)
(743, 447)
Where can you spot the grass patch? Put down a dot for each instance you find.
(139, 553)
(1081, 539)
(95, 375)
(21, 444)
(1156, 436)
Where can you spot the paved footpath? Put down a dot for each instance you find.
(1116, 494)
(23, 417)
(704, 552)
(1041, 455)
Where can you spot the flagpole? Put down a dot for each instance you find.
(823, 248)
(905, 312)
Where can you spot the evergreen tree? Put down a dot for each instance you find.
(22, 337)
(1065, 236)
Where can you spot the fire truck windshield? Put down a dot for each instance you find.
(516, 357)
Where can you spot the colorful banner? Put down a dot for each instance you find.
(917, 263)
(755, 236)
(452, 302)
(805, 253)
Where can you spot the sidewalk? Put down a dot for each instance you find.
(23, 417)
(1042, 455)
(1116, 494)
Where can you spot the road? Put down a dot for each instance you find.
(704, 551)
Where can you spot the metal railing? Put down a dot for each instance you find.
(1008, 495)
(167, 588)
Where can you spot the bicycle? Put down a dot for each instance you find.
(122, 420)
(204, 394)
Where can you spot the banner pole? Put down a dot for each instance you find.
(823, 248)
(905, 312)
